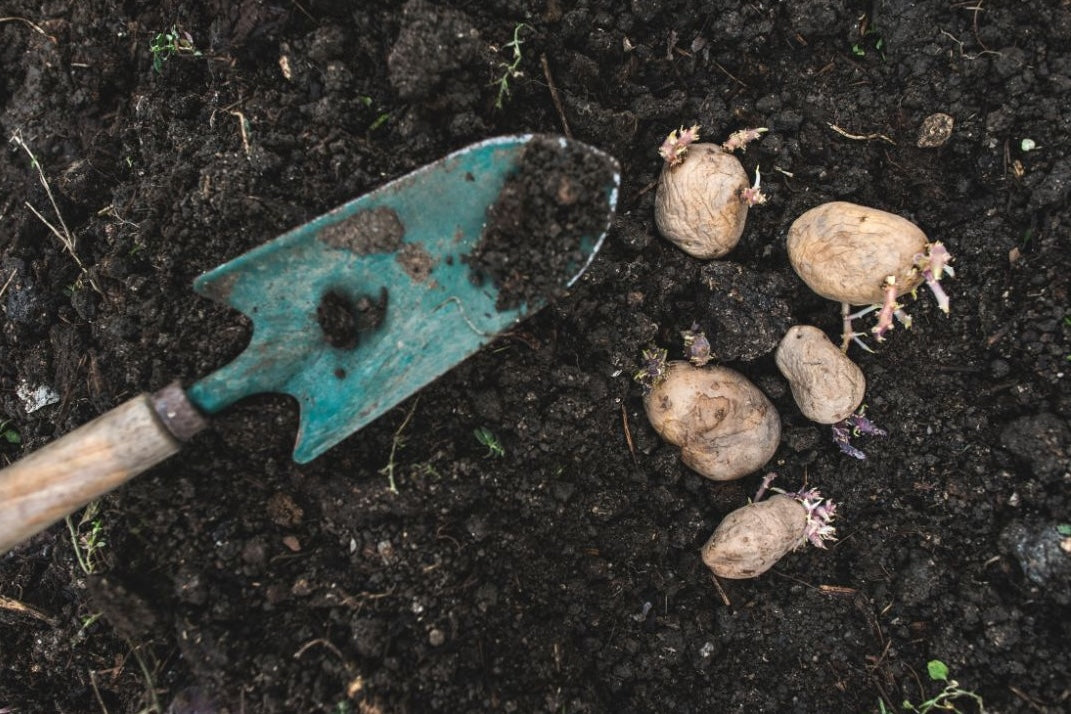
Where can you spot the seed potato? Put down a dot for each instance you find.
(827, 385)
(699, 205)
(751, 539)
(846, 252)
(725, 427)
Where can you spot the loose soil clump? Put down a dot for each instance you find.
(531, 245)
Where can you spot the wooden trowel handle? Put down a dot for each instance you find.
(53, 482)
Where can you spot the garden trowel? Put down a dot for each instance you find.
(356, 310)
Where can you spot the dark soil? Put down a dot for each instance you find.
(562, 575)
(532, 243)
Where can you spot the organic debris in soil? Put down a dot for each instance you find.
(532, 243)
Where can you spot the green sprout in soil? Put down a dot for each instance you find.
(165, 45)
(9, 433)
(380, 120)
(946, 699)
(88, 544)
(87, 622)
(488, 439)
(510, 70)
(397, 442)
(868, 37)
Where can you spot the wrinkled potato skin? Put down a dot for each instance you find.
(698, 206)
(844, 252)
(826, 384)
(725, 426)
(751, 539)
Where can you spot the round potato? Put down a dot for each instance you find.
(699, 204)
(751, 539)
(846, 252)
(725, 427)
(827, 385)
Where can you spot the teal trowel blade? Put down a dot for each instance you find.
(361, 307)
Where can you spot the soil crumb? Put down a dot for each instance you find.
(532, 242)
(377, 230)
(342, 319)
(416, 261)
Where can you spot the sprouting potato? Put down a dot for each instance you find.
(703, 193)
(827, 385)
(751, 539)
(862, 256)
(846, 252)
(725, 427)
(697, 206)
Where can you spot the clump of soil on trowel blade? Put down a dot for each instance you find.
(532, 240)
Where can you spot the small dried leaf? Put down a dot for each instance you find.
(935, 131)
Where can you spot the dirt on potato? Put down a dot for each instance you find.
(560, 570)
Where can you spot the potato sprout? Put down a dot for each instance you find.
(750, 540)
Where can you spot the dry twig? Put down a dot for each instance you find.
(242, 122)
(554, 96)
(628, 433)
(3, 288)
(96, 691)
(65, 237)
(319, 641)
(860, 137)
(7, 603)
(147, 675)
(32, 26)
(721, 591)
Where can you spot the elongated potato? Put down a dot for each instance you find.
(751, 539)
(846, 252)
(726, 428)
(699, 205)
(827, 385)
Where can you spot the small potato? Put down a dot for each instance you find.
(700, 204)
(846, 252)
(726, 428)
(827, 385)
(751, 539)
